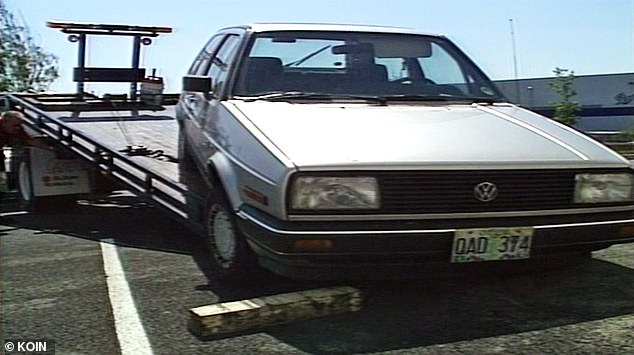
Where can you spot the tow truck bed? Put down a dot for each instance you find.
(101, 134)
(157, 131)
(98, 130)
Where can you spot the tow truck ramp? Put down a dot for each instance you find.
(133, 145)
(106, 132)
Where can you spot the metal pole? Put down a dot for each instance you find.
(517, 84)
(81, 63)
(136, 54)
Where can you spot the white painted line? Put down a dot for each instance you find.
(10, 214)
(128, 326)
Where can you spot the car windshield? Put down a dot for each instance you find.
(358, 64)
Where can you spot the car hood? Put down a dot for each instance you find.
(402, 135)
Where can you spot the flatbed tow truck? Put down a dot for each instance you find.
(130, 139)
(133, 141)
(103, 140)
(97, 138)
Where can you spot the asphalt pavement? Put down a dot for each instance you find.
(58, 282)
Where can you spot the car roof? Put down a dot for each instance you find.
(330, 27)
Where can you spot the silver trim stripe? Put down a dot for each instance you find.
(244, 215)
(585, 224)
(428, 216)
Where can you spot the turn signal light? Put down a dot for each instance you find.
(312, 244)
(255, 195)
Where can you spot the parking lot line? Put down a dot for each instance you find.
(128, 326)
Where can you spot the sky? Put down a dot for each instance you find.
(507, 38)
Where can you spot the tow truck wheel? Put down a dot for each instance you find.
(32, 203)
(25, 185)
(231, 258)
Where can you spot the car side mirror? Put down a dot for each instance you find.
(197, 83)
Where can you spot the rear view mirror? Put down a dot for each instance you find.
(197, 83)
(407, 48)
(361, 48)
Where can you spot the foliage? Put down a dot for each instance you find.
(565, 109)
(24, 66)
(627, 135)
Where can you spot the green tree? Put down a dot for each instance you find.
(565, 109)
(24, 66)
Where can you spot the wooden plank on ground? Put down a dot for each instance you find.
(238, 316)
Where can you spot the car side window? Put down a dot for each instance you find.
(443, 69)
(202, 62)
(195, 65)
(219, 65)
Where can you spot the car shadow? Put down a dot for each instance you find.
(123, 219)
(109, 217)
(394, 314)
(401, 315)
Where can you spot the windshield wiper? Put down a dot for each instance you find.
(484, 100)
(308, 56)
(284, 95)
(416, 97)
(443, 98)
(382, 99)
(289, 95)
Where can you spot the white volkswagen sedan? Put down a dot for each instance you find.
(335, 151)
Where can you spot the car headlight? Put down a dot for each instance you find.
(334, 193)
(596, 188)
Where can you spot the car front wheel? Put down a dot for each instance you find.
(231, 258)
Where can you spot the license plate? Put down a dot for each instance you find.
(471, 245)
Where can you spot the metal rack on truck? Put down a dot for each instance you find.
(129, 139)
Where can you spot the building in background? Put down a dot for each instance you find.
(607, 100)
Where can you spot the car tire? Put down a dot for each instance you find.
(231, 259)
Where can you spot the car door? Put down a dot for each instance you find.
(192, 104)
(211, 132)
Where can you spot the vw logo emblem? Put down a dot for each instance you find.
(485, 191)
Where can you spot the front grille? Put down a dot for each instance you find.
(449, 191)
(453, 191)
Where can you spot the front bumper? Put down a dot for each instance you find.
(397, 249)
